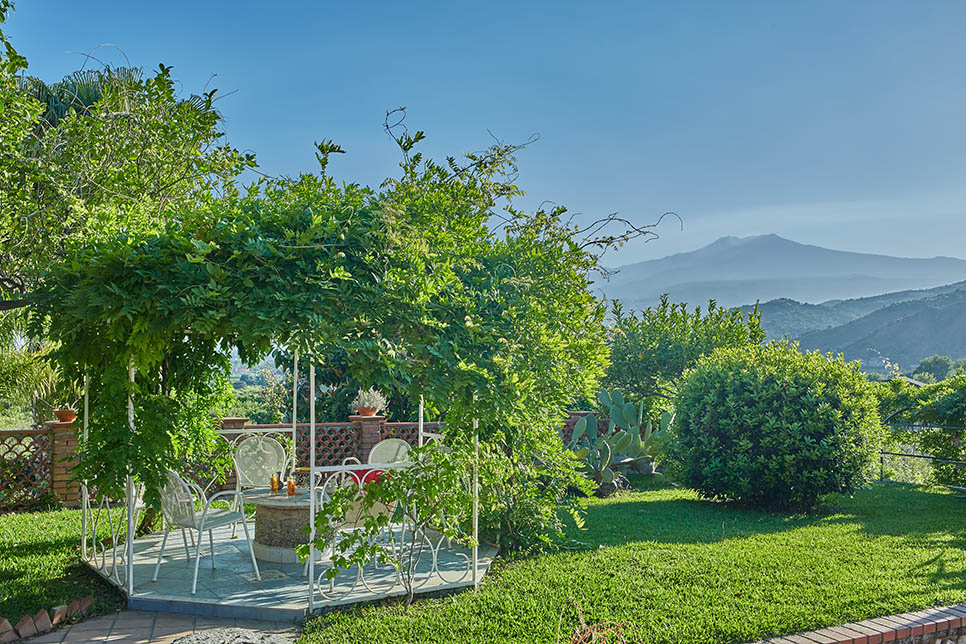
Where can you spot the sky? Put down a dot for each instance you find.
(835, 123)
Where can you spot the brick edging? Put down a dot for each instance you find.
(920, 626)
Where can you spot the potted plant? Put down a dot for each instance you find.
(67, 412)
(369, 402)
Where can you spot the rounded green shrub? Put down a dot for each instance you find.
(774, 428)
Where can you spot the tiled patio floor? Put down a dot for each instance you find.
(138, 627)
(231, 590)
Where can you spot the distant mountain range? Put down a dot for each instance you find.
(869, 307)
(738, 270)
(785, 316)
(903, 327)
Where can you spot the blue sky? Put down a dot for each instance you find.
(834, 123)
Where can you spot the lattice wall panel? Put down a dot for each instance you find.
(333, 443)
(25, 469)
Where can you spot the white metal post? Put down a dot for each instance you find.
(476, 502)
(129, 492)
(420, 439)
(84, 493)
(311, 485)
(295, 409)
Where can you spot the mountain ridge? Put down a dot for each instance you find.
(902, 332)
(737, 270)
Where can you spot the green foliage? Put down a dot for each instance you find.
(29, 384)
(262, 403)
(173, 304)
(651, 350)
(336, 386)
(18, 116)
(527, 485)
(939, 367)
(772, 427)
(942, 404)
(409, 287)
(114, 153)
(431, 493)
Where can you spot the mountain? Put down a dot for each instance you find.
(785, 316)
(737, 270)
(904, 332)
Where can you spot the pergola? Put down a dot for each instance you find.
(121, 569)
(156, 319)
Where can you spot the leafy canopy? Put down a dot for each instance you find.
(410, 285)
(651, 350)
(99, 154)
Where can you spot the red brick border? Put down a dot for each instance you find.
(880, 630)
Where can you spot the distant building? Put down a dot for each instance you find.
(911, 381)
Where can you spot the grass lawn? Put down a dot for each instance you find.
(40, 565)
(679, 569)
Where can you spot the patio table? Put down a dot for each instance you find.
(279, 520)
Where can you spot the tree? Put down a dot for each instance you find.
(18, 115)
(651, 350)
(939, 367)
(78, 92)
(103, 153)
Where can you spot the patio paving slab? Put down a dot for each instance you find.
(231, 591)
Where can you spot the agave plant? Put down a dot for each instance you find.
(604, 456)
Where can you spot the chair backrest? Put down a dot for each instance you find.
(391, 450)
(256, 459)
(177, 502)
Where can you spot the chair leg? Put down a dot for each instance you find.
(235, 506)
(184, 540)
(244, 523)
(211, 544)
(194, 582)
(164, 542)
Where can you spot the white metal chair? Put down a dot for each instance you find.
(256, 458)
(178, 509)
(390, 450)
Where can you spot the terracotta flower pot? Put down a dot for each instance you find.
(367, 411)
(65, 415)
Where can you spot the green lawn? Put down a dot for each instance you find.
(677, 568)
(680, 569)
(40, 565)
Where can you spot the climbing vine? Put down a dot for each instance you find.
(434, 285)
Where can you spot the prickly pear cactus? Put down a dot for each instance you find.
(628, 442)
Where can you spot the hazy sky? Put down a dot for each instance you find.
(834, 123)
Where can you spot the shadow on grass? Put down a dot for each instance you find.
(926, 516)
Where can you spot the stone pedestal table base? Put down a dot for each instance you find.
(279, 520)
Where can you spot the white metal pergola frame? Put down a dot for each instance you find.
(95, 552)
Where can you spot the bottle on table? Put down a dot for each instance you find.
(290, 487)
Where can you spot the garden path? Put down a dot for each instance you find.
(140, 627)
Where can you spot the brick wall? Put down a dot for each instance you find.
(567, 431)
